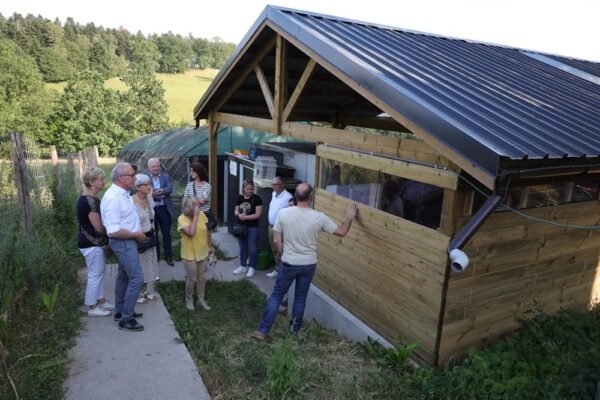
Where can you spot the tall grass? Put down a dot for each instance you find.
(34, 341)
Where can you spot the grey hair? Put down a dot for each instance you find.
(118, 170)
(91, 174)
(187, 205)
(153, 161)
(141, 179)
(277, 179)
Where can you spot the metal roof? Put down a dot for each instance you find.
(484, 102)
(190, 141)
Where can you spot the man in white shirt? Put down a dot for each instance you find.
(123, 228)
(296, 235)
(280, 199)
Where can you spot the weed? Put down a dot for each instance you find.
(283, 372)
(395, 357)
(49, 301)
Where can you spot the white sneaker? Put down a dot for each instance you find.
(240, 270)
(98, 312)
(272, 274)
(250, 273)
(107, 306)
(204, 305)
(189, 304)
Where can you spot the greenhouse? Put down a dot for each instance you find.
(177, 148)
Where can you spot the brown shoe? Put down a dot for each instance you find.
(258, 335)
(170, 261)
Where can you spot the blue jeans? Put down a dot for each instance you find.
(286, 274)
(248, 247)
(162, 219)
(130, 277)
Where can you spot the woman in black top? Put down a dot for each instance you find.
(248, 209)
(91, 241)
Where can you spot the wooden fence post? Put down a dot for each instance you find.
(56, 168)
(21, 180)
(95, 156)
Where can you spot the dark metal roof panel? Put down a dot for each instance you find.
(504, 100)
(483, 101)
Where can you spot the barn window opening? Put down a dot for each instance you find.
(404, 198)
(546, 195)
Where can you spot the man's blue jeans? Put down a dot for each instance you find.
(130, 277)
(162, 219)
(248, 247)
(286, 274)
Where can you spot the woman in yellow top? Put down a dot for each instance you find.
(196, 246)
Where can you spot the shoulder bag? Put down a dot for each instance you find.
(212, 221)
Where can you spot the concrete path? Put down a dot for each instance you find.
(107, 363)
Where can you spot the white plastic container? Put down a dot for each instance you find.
(265, 167)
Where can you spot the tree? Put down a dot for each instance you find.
(176, 53)
(220, 51)
(24, 104)
(88, 114)
(144, 55)
(147, 111)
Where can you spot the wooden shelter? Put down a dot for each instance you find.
(480, 126)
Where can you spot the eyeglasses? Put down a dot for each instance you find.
(277, 184)
(129, 175)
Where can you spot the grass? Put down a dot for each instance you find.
(315, 365)
(182, 91)
(549, 358)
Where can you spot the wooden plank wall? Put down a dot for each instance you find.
(519, 265)
(387, 271)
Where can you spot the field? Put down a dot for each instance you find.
(182, 91)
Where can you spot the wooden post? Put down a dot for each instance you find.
(21, 180)
(280, 83)
(213, 128)
(94, 156)
(56, 168)
(78, 170)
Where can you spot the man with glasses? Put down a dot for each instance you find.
(164, 210)
(280, 199)
(124, 231)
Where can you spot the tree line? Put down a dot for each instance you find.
(35, 50)
(62, 50)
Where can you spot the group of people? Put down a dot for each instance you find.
(122, 222)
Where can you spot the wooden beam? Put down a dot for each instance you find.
(280, 83)
(449, 213)
(433, 176)
(264, 86)
(213, 129)
(308, 70)
(260, 54)
(394, 146)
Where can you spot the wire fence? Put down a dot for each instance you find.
(28, 179)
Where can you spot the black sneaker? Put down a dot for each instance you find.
(117, 316)
(130, 325)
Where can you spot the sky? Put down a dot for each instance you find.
(565, 27)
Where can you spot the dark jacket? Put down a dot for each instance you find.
(166, 184)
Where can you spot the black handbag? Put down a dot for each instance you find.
(149, 242)
(239, 230)
(212, 221)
